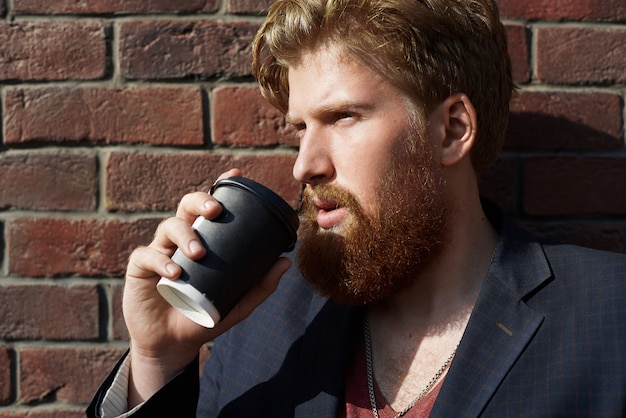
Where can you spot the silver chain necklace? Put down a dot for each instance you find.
(370, 374)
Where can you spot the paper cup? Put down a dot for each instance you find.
(255, 227)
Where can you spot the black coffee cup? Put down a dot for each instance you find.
(255, 227)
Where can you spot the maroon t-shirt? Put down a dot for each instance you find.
(357, 396)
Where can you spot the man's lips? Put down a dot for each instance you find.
(329, 213)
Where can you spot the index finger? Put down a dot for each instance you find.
(197, 204)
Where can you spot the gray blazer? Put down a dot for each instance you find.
(547, 338)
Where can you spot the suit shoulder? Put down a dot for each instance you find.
(582, 259)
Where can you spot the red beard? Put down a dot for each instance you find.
(377, 256)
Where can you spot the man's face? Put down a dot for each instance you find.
(373, 209)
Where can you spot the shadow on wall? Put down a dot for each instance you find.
(540, 131)
(564, 181)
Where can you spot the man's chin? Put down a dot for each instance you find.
(338, 230)
(322, 261)
(367, 258)
(341, 228)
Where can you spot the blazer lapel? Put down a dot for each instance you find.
(493, 340)
(500, 326)
(327, 345)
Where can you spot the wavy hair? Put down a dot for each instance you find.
(430, 49)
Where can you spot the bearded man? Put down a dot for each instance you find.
(410, 296)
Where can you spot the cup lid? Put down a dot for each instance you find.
(272, 200)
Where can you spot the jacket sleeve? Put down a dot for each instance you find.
(178, 397)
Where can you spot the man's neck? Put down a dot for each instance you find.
(414, 332)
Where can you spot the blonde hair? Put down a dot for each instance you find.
(430, 49)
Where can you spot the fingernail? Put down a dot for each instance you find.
(171, 269)
(195, 246)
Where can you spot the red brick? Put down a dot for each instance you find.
(45, 412)
(517, 39)
(581, 55)
(53, 51)
(562, 120)
(163, 49)
(48, 181)
(45, 247)
(66, 374)
(564, 186)
(142, 181)
(6, 378)
(119, 330)
(2, 242)
(599, 235)
(114, 6)
(248, 6)
(611, 10)
(498, 184)
(49, 312)
(157, 116)
(242, 118)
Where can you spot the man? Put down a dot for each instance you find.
(419, 298)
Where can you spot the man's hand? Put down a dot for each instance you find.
(163, 341)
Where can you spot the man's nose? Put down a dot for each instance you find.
(314, 163)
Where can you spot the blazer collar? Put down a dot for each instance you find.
(500, 326)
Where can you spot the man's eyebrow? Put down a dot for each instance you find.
(335, 107)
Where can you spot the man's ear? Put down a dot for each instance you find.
(458, 118)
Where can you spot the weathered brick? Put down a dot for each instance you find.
(113, 6)
(155, 115)
(6, 378)
(45, 412)
(581, 55)
(48, 247)
(498, 184)
(610, 10)
(67, 374)
(2, 244)
(53, 50)
(162, 49)
(248, 6)
(52, 312)
(563, 120)
(142, 181)
(599, 235)
(544, 122)
(517, 39)
(564, 186)
(242, 118)
(48, 181)
(119, 330)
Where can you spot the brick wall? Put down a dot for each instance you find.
(112, 110)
